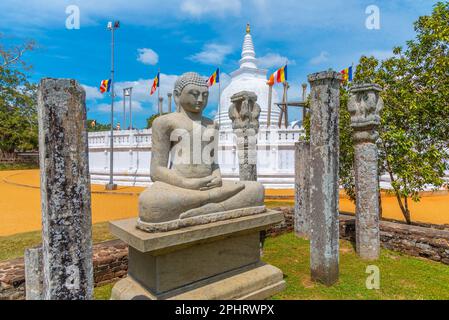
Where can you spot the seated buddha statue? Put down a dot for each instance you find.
(186, 176)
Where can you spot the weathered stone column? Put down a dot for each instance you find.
(364, 106)
(160, 105)
(244, 113)
(65, 191)
(302, 192)
(33, 273)
(169, 96)
(324, 150)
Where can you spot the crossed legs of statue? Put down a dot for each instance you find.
(163, 202)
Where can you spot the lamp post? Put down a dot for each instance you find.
(127, 92)
(111, 186)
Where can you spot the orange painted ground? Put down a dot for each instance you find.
(20, 203)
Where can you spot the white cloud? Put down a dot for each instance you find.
(271, 60)
(147, 56)
(212, 53)
(321, 58)
(197, 8)
(92, 93)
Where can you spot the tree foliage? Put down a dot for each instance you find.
(18, 115)
(94, 126)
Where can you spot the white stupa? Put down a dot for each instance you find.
(250, 78)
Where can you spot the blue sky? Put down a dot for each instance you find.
(193, 35)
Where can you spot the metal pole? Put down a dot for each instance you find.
(124, 109)
(219, 104)
(286, 86)
(111, 185)
(270, 93)
(169, 95)
(130, 109)
(304, 92)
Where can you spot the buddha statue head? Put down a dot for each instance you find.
(191, 92)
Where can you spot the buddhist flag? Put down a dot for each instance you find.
(155, 84)
(347, 74)
(279, 76)
(105, 85)
(215, 78)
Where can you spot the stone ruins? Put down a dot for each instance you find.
(65, 259)
(197, 236)
(364, 106)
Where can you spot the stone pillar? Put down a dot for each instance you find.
(364, 106)
(324, 150)
(160, 105)
(244, 113)
(33, 274)
(302, 192)
(169, 95)
(65, 191)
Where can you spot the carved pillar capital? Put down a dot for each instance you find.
(365, 105)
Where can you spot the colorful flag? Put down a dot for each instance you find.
(215, 78)
(155, 84)
(279, 76)
(105, 85)
(347, 74)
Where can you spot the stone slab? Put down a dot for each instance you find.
(198, 220)
(259, 282)
(164, 272)
(147, 242)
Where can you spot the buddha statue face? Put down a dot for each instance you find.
(191, 93)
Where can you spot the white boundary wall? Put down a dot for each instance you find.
(132, 154)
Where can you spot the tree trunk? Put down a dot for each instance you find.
(405, 211)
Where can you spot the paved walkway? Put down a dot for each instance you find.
(20, 203)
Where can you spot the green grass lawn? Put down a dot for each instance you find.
(18, 166)
(402, 277)
(14, 246)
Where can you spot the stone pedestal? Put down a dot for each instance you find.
(219, 260)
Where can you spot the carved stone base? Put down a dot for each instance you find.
(258, 283)
(218, 260)
(198, 220)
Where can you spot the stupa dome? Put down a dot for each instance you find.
(248, 78)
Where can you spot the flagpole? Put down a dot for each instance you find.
(219, 103)
(111, 186)
(270, 94)
(159, 91)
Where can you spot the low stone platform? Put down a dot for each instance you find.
(219, 260)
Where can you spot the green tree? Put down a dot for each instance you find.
(151, 119)
(18, 115)
(94, 126)
(414, 129)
